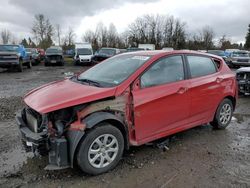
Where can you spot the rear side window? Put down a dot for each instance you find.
(201, 66)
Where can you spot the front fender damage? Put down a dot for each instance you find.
(111, 110)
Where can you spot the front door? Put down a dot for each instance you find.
(161, 104)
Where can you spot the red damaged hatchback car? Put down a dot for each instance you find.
(128, 100)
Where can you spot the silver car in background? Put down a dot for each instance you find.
(239, 58)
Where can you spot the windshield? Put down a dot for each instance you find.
(115, 70)
(11, 48)
(107, 51)
(53, 50)
(219, 53)
(240, 54)
(84, 51)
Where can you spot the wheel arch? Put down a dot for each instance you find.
(233, 99)
(91, 121)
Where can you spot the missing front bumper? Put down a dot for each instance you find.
(55, 148)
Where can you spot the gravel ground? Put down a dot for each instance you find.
(200, 157)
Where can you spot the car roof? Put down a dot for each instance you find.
(163, 53)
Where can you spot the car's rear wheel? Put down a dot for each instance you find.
(223, 114)
(101, 149)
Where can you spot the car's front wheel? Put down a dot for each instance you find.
(223, 114)
(20, 66)
(101, 149)
(29, 65)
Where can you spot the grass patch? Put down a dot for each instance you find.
(68, 60)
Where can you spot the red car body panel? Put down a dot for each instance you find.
(63, 94)
(157, 111)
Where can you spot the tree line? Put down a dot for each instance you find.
(161, 30)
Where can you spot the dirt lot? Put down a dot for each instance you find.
(200, 157)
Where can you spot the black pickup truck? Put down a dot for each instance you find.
(54, 56)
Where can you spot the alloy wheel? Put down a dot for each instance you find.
(103, 151)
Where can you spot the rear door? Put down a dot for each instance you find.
(162, 102)
(205, 87)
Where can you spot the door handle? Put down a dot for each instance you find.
(219, 80)
(182, 90)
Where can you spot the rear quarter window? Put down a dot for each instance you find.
(201, 66)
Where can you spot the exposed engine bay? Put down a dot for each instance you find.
(243, 79)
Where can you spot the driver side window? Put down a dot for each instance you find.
(166, 70)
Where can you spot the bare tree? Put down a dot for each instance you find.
(5, 36)
(58, 33)
(42, 30)
(101, 34)
(112, 36)
(91, 37)
(70, 35)
(88, 36)
(208, 36)
(160, 30)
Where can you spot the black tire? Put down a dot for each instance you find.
(46, 64)
(96, 133)
(20, 66)
(219, 122)
(75, 63)
(29, 65)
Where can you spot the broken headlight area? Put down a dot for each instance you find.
(34, 131)
(46, 134)
(61, 120)
(243, 79)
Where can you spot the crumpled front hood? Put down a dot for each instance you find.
(63, 94)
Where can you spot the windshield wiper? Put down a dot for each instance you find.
(90, 82)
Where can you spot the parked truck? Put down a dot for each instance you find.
(54, 56)
(14, 56)
(83, 53)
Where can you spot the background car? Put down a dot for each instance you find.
(104, 53)
(41, 53)
(34, 55)
(134, 49)
(220, 53)
(83, 54)
(243, 79)
(14, 56)
(54, 56)
(239, 58)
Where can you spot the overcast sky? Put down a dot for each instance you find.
(229, 17)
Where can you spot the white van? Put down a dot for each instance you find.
(147, 46)
(83, 53)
